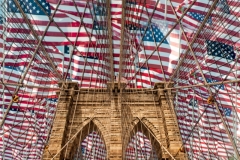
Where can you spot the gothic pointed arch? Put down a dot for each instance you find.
(144, 139)
(92, 132)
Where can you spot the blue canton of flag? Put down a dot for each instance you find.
(32, 111)
(91, 57)
(14, 68)
(153, 32)
(219, 86)
(30, 6)
(52, 99)
(2, 20)
(222, 5)
(69, 79)
(219, 49)
(131, 27)
(14, 109)
(99, 10)
(193, 103)
(83, 150)
(66, 50)
(98, 26)
(144, 68)
(226, 111)
(130, 2)
(199, 17)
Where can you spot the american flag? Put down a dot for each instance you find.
(216, 58)
(85, 73)
(207, 133)
(39, 20)
(143, 46)
(75, 10)
(88, 64)
(26, 128)
(140, 147)
(139, 12)
(92, 147)
(207, 119)
(216, 49)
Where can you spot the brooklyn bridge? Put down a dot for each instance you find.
(119, 79)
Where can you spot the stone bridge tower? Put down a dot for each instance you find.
(117, 113)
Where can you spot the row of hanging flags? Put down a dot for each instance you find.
(149, 57)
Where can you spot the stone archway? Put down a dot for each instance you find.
(85, 131)
(116, 116)
(138, 125)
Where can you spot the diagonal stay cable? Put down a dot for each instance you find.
(151, 133)
(190, 48)
(202, 74)
(81, 17)
(157, 139)
(164, 38)
(122, 42)
(80, 129)
(74, 47)
(37, 38)
(110, 39)
(193, 40)
(28, 67)
(98, 33)
(13, 23)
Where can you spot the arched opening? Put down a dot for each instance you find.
(140, 147)
(89, 144)
(92, 147)
(142, 144)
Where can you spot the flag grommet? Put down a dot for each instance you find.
(210, 100)
(15, 98)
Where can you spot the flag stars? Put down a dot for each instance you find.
(227, 111)
(30, 6)
(193, 103)
(199, 17)
(219, 86)
(220, 50)
(153, 34)
(98, 10)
